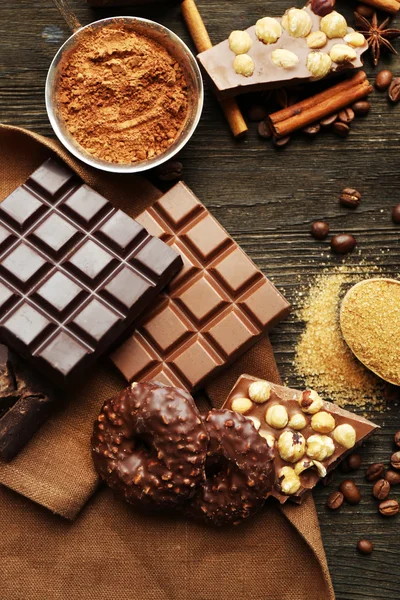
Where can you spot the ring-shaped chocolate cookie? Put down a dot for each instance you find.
(239, 470)
(149, 444)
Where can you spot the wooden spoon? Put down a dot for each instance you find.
(370, 324)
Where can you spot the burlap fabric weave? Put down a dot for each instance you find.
(102, 548)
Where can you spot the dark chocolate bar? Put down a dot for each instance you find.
(26, 400)
(74, 272)
(298, 415)
(218, 61)
(217, 306)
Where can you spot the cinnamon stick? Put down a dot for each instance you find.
(389, 6)
(202, 41)
(315, 108)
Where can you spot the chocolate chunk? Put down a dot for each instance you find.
(26, 401)
(75, 272)
(218, 62)
(336, 432)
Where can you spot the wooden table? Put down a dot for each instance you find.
(266, 199)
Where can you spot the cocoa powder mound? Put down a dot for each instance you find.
(122, 96)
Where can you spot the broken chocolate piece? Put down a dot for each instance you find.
(310, 436)
(26, 401)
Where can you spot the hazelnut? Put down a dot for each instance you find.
(355, 39)
(241, 405)
(277, 416)
(310, 402)
(259, 391)
(269, 438)
(345, 435)
(340, 53)
(256, 422)
(334, 25)
(297, 421)
(244, 65)
(323, 422)
(297, 22)
(319, 64)
(289, 481)
(303, 465)
(291, 446)
(320, 447)
(240, 42)
(268, 30)
(316, 39)
(284, 58)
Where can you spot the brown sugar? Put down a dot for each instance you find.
(323, 360)
(370, 323)
(122, 96)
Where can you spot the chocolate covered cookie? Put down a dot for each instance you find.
(149, 444)
(239, 471)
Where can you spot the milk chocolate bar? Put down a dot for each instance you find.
(26, 400)
(217, 306)
(74, 272)
(310, 436)
(269, 72)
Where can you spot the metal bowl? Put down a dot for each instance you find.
(176, 47)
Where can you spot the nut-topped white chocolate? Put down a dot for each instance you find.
(280, 49)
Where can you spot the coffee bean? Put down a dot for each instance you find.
(264, 129)
(389, 508)
(383, 80)
(312, 130)
(256, 113)
(395, 460)
(396, 438)
(170, 171)
(350, 197)
(381, 489)
(365, 546)
(365, 11)
(350, 491)
(343, 243)
(396, 214)
(346, 115)
(341, 129)
(329, 121)
(394, 90)
(335, 500)
(320, 230)
(375, 472)
(350, 463)
(393, 477)
(361, 108)
(281, 142)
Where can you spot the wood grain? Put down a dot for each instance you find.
(267, 200)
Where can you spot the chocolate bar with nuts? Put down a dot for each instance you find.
(26, 401)
(301, 46)
(310, 436)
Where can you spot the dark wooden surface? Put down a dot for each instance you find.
(266, 199)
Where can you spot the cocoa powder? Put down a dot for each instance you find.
(122, 96)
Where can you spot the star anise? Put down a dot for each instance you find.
(377, 36)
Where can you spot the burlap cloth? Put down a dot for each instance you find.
(109, 550)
